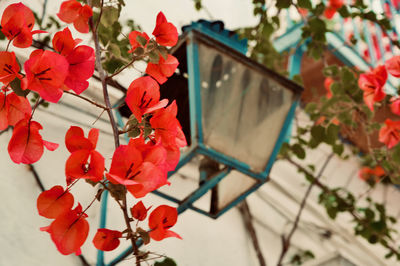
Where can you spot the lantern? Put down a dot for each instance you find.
(235, 114)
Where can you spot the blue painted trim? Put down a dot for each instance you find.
(220, 35)
(294, 68)
(202, 190)
(238, 200)
(192, 51)
(103, 220)
(290, 39)
(281, 138)
(369, 43)
(124, 254)
(175, 200)
(227, 160)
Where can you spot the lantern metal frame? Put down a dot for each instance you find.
(198, 33)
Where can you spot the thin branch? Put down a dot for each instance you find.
(350, 208)
(104, 84)
(87, 99)
(247, 219)
(36, 176)
(100, 14)
(114, 128)
(286, 240)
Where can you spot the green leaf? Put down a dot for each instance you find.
(16, 87)
(166, 262)
(331, 71)
(163, 51)
(299, 151)
(318, 133)
(396, 154)
(134, 132)
(283, 4)
(154, 57)
(304, 4)
(338, 149)
(346, 75)
(344, 12)
(332, 134)
(144, 235)
(310, 108)
(115, 50)
(141, 40)
(110, 15)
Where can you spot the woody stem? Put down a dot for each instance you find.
(86, 99)
(112, 122)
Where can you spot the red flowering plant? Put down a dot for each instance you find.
(137, 168)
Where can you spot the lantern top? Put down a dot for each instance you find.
(216, 30)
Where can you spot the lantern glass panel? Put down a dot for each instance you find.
(232, 187)
(243, 110)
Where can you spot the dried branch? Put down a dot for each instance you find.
(247, 219)
(286, 240)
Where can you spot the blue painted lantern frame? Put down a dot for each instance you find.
(204, 33)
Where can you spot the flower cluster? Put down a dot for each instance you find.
(139, 167)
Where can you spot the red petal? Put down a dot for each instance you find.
(3, 112)
(26, 144)
(106, 239)
(63, 42)
(69, 11)
(18, 108)
(75, 140)
(54, 202)
(51, 146)
(139, 211)
(69, 232)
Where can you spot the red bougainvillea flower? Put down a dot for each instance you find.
(81, 68)
(81, 60)
(164, 68)
(75, 139)
(84, 161)
(45, 74)
(13, 108)
(69, 231)
(161, 219)
(73, 12)
(332, 7)
(165, 158)
(167, 128)
(64, 43)
(9, 67)
(85, 164)
(133, 39)
(17, 23)
(372, 84)
(395, 105)
(106, 239)
(130, 169)
(26, 144)
(143, 97)
(393, 66)
(303, 11)
(390, 133)
(139, 211)
(327, 84)
(374, 174)
(165, 32)
(54, 202)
